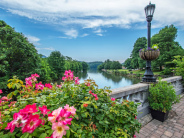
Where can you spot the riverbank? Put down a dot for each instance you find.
(135, 73)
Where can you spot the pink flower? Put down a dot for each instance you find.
(63, 117)
(96, 98)
(44, 110)
(19, 119)
(50, 136)
(12, 104)
(76, 81)
(35, 75)
(95, 95)
(10, 126)
(52, 116)
(32, 123)
(68, 75)
(4, 98)
(70, 109)
(135, 117)
(59, 129)
(39, 86)
(87, 84)
(29, 109)
(90, 92)
(1, 91)
(48, 85)
(134, 136)
(113, 99)
(59, 86)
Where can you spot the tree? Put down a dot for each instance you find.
(84, 66)
(136, 61)
(57, 62)
(127, 63)
(17, 56)
(167, 46)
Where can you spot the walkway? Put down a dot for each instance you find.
(171, 128)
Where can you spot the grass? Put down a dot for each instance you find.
(155, 72)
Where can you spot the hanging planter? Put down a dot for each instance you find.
(149, 55)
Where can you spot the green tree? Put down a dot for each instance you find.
(84, 66)
(136, 61)
(17, 56)
(168, 47)
(57, 62)
(127, 63)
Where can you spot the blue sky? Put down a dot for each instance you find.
(89, 30)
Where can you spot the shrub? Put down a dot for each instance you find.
(179, 70)
(79, 110)
(162, 96)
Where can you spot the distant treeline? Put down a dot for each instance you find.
(19, 58)
(110, 65)
(95, 64)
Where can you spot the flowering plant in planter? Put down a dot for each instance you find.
(149, 53)
(69, 110)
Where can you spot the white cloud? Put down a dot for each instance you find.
(84, 35)
(33, 39)
(95, 13)
(72, 33)
(100, 34)
(50, 48)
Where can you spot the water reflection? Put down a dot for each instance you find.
(103, 79)
(81, 75)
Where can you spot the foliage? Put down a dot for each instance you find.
(153, 48)
(17, 56)
(95, 64)
(73, 65)
(110, 65)
(96, 115)
(127, 63)
(162, 96)
(56, 62)
(135, 59)
(179, 70)
(84, 66)
(167, 46)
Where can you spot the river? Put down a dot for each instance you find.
(103, 79)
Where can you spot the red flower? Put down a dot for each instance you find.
(96, 98)
(29, 109)
(85, 105)
(113, 99)
(44, 110)
(90, 92)
(48, 85)
(135, 117)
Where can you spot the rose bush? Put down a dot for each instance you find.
(70, 110)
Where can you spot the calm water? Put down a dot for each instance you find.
(103, 79)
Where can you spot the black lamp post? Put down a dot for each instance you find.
(148, 75)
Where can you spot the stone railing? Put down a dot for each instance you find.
(139, 93)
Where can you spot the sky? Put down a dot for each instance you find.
(90, 30)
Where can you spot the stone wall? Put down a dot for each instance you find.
(139, 93)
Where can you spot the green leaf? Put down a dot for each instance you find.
(43, 135)
(25, 135)
(68, 133)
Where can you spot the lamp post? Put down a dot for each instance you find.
(148, 75)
